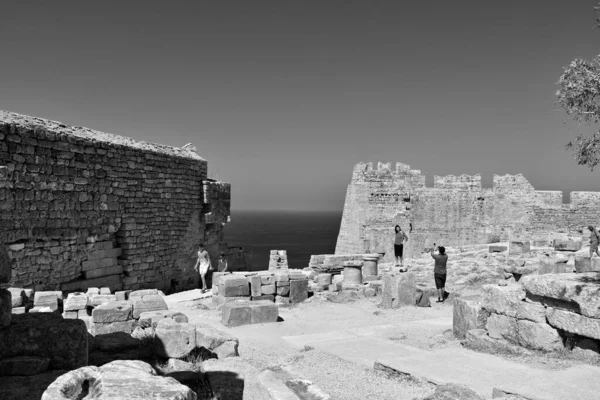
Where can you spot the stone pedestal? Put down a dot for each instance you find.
(369, 267)
(399, 289)
(468, 314)
(352, 272)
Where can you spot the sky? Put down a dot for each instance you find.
(283, 98)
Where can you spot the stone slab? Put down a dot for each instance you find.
(234, 286)
(574, 323)
(398, 289)
(154, 317)
(255, 286)
(586, 264)
(497, 249)
(468, 314)
(567, 245)
(502, 299)
(76, 301)
(211, 338)
(114, 311)
(236, 313)
(145, 303)
(268, 289)
(113, 327)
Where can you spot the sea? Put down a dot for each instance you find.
(300, 233)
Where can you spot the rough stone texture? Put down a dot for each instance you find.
(174, 339)
(115, 311)
(234, 286)
(519, 247)
(145, 303)
(76, 302)
(24, 365)
(583, 262)
(479, 339)
(131, 379)
(113, 327)
(468, 314)
(455, 212)
(219, 342)
(154, 317)
(246, 312)
(531, 311)
(283, 290)
(298, 291)
(502, 299)
(234, 378)
(46, 299)
(122, 295)
(398, 290)
(63, 341)
(574, 323)
(567, 245)
(531, 335)
(5, 308)
(132, 212)
(452, 391)
(578, 292)
(497, 249)
(255, 284)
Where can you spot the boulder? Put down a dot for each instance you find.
(126, 379)
(399, 289)
(146, 302)
(579, 291)
(467, 315)
(76, 301)
(18, 298)
(23, 365)
(115, 311)
(502, 299)
(574, 323)
(5, 265)
(234, 286)
(210, 337)
(154, 317)
(453, 391)
(174, 339)
(46, 335)
(298, 290)
(5, 308)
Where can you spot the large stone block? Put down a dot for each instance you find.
(531, 311)
(46, 299)
(5, 308)
(76, 302)
(502, 327)
(216, 277)
(115, 311)
(502, 299)
(497, 249)
(98, 329)
(122, 295)
(234, 286)
(583, 263)
(174, 339)
(47, 335)
(575, 291)
(399, 289)
(528, 334)
(283, 290)
(263, 311)
(5, 265)
(255, 284)
(236, 313)
(519, 247)
(468, 314)
(18, 297)
(298, 290)
(145, 303)
(567, 245)
(574, 323)
(214, 340)
(154, 317)
(268, 289)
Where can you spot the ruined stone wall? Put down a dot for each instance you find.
(82, 208)
(456, 211)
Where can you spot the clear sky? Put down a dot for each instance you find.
(284, 97)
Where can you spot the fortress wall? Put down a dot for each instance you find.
(83, 208)
(456, 211)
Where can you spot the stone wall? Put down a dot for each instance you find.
(456, 211)
(81, 208)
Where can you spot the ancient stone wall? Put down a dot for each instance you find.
(81, 208)
(456, 211)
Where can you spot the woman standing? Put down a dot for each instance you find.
(399, 241)
(203, 265)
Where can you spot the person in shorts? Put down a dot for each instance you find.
(202, 266)
(439, 271)
(594, 238)
(399, 241)
(222, 265)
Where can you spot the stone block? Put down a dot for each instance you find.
(297, 276)
(234, 286)
(236, 313)
(18, 310)
(502, 299)
(398, 289)
(83, 313)
(468, 314)
(519, 247)
(148, 302)
(5, 308)
(92, 291)
(502, 327)
(115, 311)
(105, 253)
(283, 290)
(113, 327)
(174, 339)
(152, 318)
(5, 265)
(350, 286)
(370, 278)
(220, 300)
(268, 297)
(497, 249)
(263, 311)
(46, 299)
(528, 334)
(76, 301)
(105, 290)
(574, 323)
(46, 335)
(370, 292)
(324, 279)
(566, 245)
(298, 291)
(282, 284)
(268, 289)
(579, 291)
(18, 298)
(23, 366)
(281, 276)
(216, 276)
(587, 264)
(122, 295)
(99, 299)
(531, 311)
(267, 279)
(255, 286)
(211, 338)
(282, 300)
(69, 314)
(335, 287)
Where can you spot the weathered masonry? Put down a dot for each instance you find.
(456, 211)
(81, 208)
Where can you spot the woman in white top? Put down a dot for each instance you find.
(203, 265)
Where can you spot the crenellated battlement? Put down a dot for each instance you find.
(468, 182)
(512, 182)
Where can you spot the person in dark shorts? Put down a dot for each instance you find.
(399, 241)
(439, 271)
(594, 238)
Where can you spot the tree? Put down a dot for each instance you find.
(579, 96)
